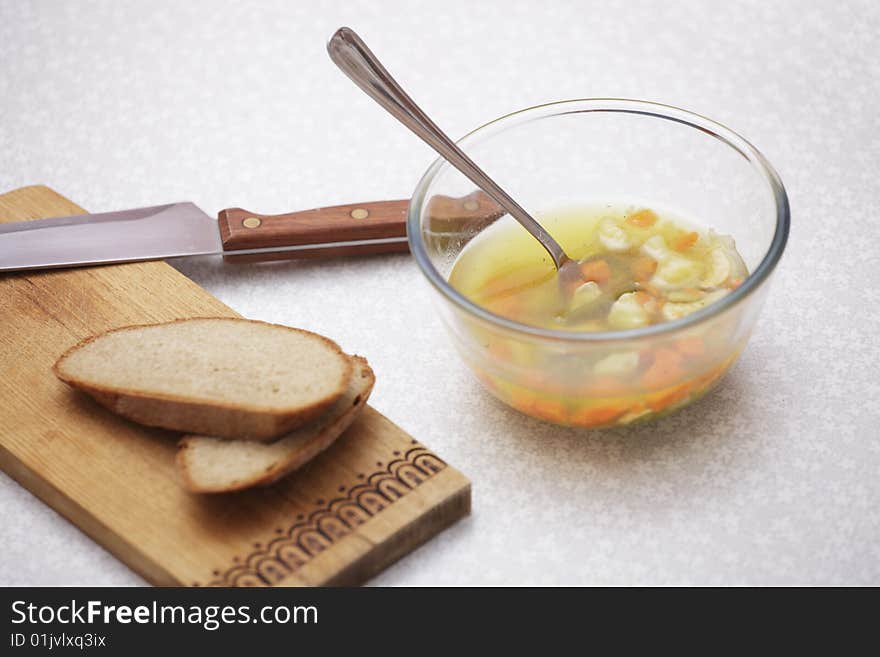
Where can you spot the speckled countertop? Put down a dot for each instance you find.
(773, 478)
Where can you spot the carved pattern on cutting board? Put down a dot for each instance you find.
(294, 547)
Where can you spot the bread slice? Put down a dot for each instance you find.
(227, 377)
(212, 465)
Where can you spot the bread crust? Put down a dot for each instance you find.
(299, 454)
(216, 418)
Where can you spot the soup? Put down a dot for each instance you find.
(640, 267)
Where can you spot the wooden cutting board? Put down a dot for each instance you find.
(368, 500)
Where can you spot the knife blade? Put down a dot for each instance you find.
(182, 229)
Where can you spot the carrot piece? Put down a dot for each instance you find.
(684, 242)
(487, 380)
(691, 345)
(735, 283)
(651, 289)
(596, 270)
(669, 397)
(549, 409)
(521, 400)
(648, 301)
(643, 297)
(598, 415)
(509, 307)
(643, 218)
(643, 268)
(665, 370)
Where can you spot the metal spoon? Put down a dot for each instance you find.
(355, 59)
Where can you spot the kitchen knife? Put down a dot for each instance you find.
(182, 229)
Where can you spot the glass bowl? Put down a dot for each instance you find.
(580, 152)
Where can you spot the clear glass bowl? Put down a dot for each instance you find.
(576, 153)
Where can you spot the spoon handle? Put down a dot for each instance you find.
(354, 58)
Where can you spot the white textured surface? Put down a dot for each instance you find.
(773, 478)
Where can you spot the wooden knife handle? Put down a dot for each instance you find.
(241, 230)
